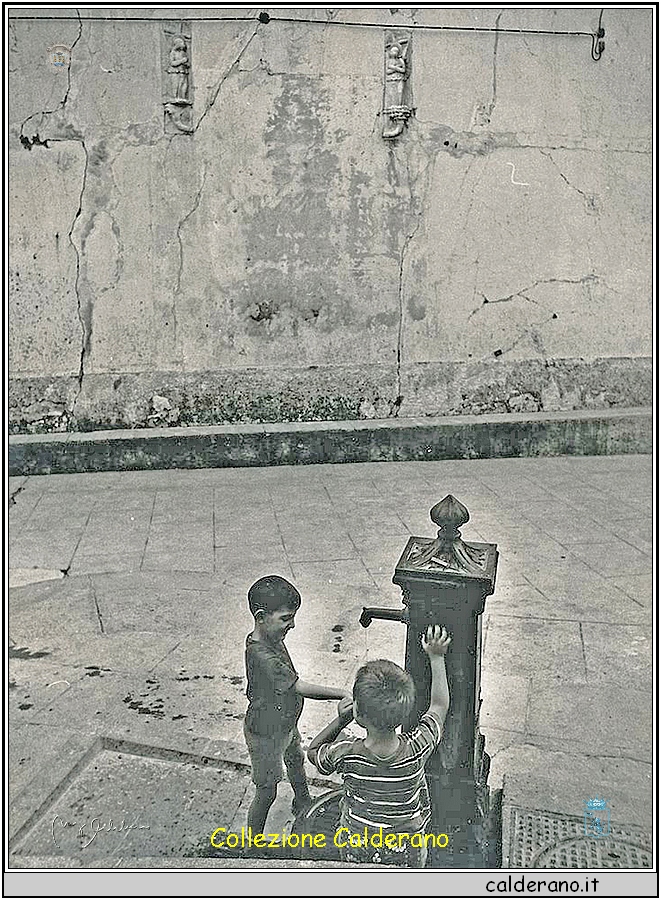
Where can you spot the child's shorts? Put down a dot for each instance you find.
(267, 753)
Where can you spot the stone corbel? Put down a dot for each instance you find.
(177, 77)
(396, 86)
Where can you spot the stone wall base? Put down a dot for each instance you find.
(337, 393)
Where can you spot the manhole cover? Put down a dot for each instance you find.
(542, 840)
(125, 803)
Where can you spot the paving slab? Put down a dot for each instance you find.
(186, 704)
(639, 588)
(33, 686)
(505, 700)
(32, 748)
(86, 706)
(613, 558)
(578, 593)
(124, 804)
(618, 654)
(121, 653)
(131, 610)
(20, 577)
(47, 614)
(64, 760)
(609, 604)
(535, 648)
(107, 562)
(190, 546)
(594, 715)
(47, 514)
(51, 549)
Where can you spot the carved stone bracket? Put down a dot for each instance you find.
(396, 87)
(177, 77)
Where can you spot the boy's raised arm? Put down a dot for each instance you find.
(435, 643)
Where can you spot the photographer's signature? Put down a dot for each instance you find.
(88, 830)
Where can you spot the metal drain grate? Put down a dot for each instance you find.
(542, 840)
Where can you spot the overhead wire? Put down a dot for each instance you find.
(265, 18)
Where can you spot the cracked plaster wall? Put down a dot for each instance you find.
(285, 262)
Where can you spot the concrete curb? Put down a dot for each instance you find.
(579, 433)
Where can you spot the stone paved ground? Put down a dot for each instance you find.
(142, 639)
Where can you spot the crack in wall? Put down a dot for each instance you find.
(483, 110)
(95, 156)
(480, 143)
(471, 203)
(523, 293)
(180, 225)
(28, 142)
(583, 149)
(528, 331)
(485, 300)
(422, 203)
(589, 199)
(494, 79)
(262, 66)
(64, 133)
(119, 261)
(111, 209)
(85, 326)
(591, 207)
(400, 331)
(216, 90)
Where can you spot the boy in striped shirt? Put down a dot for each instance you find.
(384, 781)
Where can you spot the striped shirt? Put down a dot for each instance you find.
(388, 793)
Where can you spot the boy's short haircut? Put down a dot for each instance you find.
(271, 593)
(384, 693)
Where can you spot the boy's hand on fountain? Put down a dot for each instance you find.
(436, 641)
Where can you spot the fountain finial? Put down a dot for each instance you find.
(449, 515)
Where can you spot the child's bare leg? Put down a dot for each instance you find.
(259, 808)
(293, 760)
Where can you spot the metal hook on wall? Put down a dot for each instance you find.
(598, 43)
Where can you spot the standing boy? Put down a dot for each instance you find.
(276, 697)
(384, 780)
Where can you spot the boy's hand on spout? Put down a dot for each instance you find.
(318, 691)
(345, 706)
(436, 641)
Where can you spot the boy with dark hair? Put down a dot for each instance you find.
(384, 781)
(276, 697)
